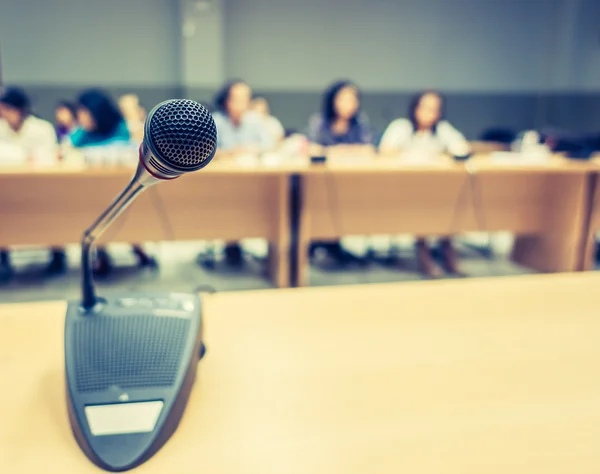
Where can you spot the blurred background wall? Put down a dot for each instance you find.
(508, 63)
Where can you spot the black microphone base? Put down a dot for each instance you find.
(130, 364)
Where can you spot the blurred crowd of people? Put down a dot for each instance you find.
(341, 127)
(94, 123)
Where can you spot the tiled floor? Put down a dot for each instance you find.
(179, 272)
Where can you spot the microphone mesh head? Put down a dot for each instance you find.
(183, 132)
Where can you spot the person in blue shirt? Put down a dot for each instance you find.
(101, 124)
(239, 130)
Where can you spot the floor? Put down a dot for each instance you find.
(178, 271)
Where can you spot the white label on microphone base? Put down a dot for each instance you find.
(123, 418)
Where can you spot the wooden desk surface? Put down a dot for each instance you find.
(54, 206)
(489, 376)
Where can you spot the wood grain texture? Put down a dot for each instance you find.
(54, 207)
(546, 205)
(477, 376)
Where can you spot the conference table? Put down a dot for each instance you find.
(53, 206)
(495, 375)
(545, 204)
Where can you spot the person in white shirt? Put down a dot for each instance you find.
(272, 125)
(425, 131)
(35, 141)
(35, 137)
(426, 135)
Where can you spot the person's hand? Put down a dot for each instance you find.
(315, 149)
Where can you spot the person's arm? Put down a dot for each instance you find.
(454, 142)
(42, 143)
(314, 129)
(396, 137)
(366, 133)
(225, 142)
(278, 130)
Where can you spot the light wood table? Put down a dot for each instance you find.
(494, 376)
(223, 201)
(546, 205)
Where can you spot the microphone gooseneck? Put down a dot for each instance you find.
(180, 136)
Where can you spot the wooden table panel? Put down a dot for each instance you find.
(495, 376)
(547, 205)
(53, 208)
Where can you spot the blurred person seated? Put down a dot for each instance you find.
(19, 127)
(272, 125)
(341, 128)
(341, 125)
(239, 130)
(32, 141)
(65, 120)
(426, 136)
(101, 124)
(135, 116)
(425, 132)
(240, 134)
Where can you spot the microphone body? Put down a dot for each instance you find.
(131, 358)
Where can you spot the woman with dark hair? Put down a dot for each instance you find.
(34, 139)
(100, 121)
(425, 129)
(65, 119)
(102, 124)
(342, 126)
(239, 130)
(427, 134)
(341, 121)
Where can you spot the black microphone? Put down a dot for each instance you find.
(131, 358)
(180, 136)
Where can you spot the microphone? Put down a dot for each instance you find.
(131, 359)
(180, 136)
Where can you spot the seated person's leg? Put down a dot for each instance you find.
(5, 266)
(102, 262)
(144, 260)
(425, 261)
(58, 261)
(448, 254)
(233, 254)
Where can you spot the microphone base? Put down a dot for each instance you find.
(130, 364)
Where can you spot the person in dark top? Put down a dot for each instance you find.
(341, 121)
(65, 119)
(101, 124)
(342, 126)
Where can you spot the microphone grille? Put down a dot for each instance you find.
(183, 132)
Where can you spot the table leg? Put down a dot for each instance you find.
(549, 253)
(278, 264)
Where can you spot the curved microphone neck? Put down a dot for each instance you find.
(141, 180)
